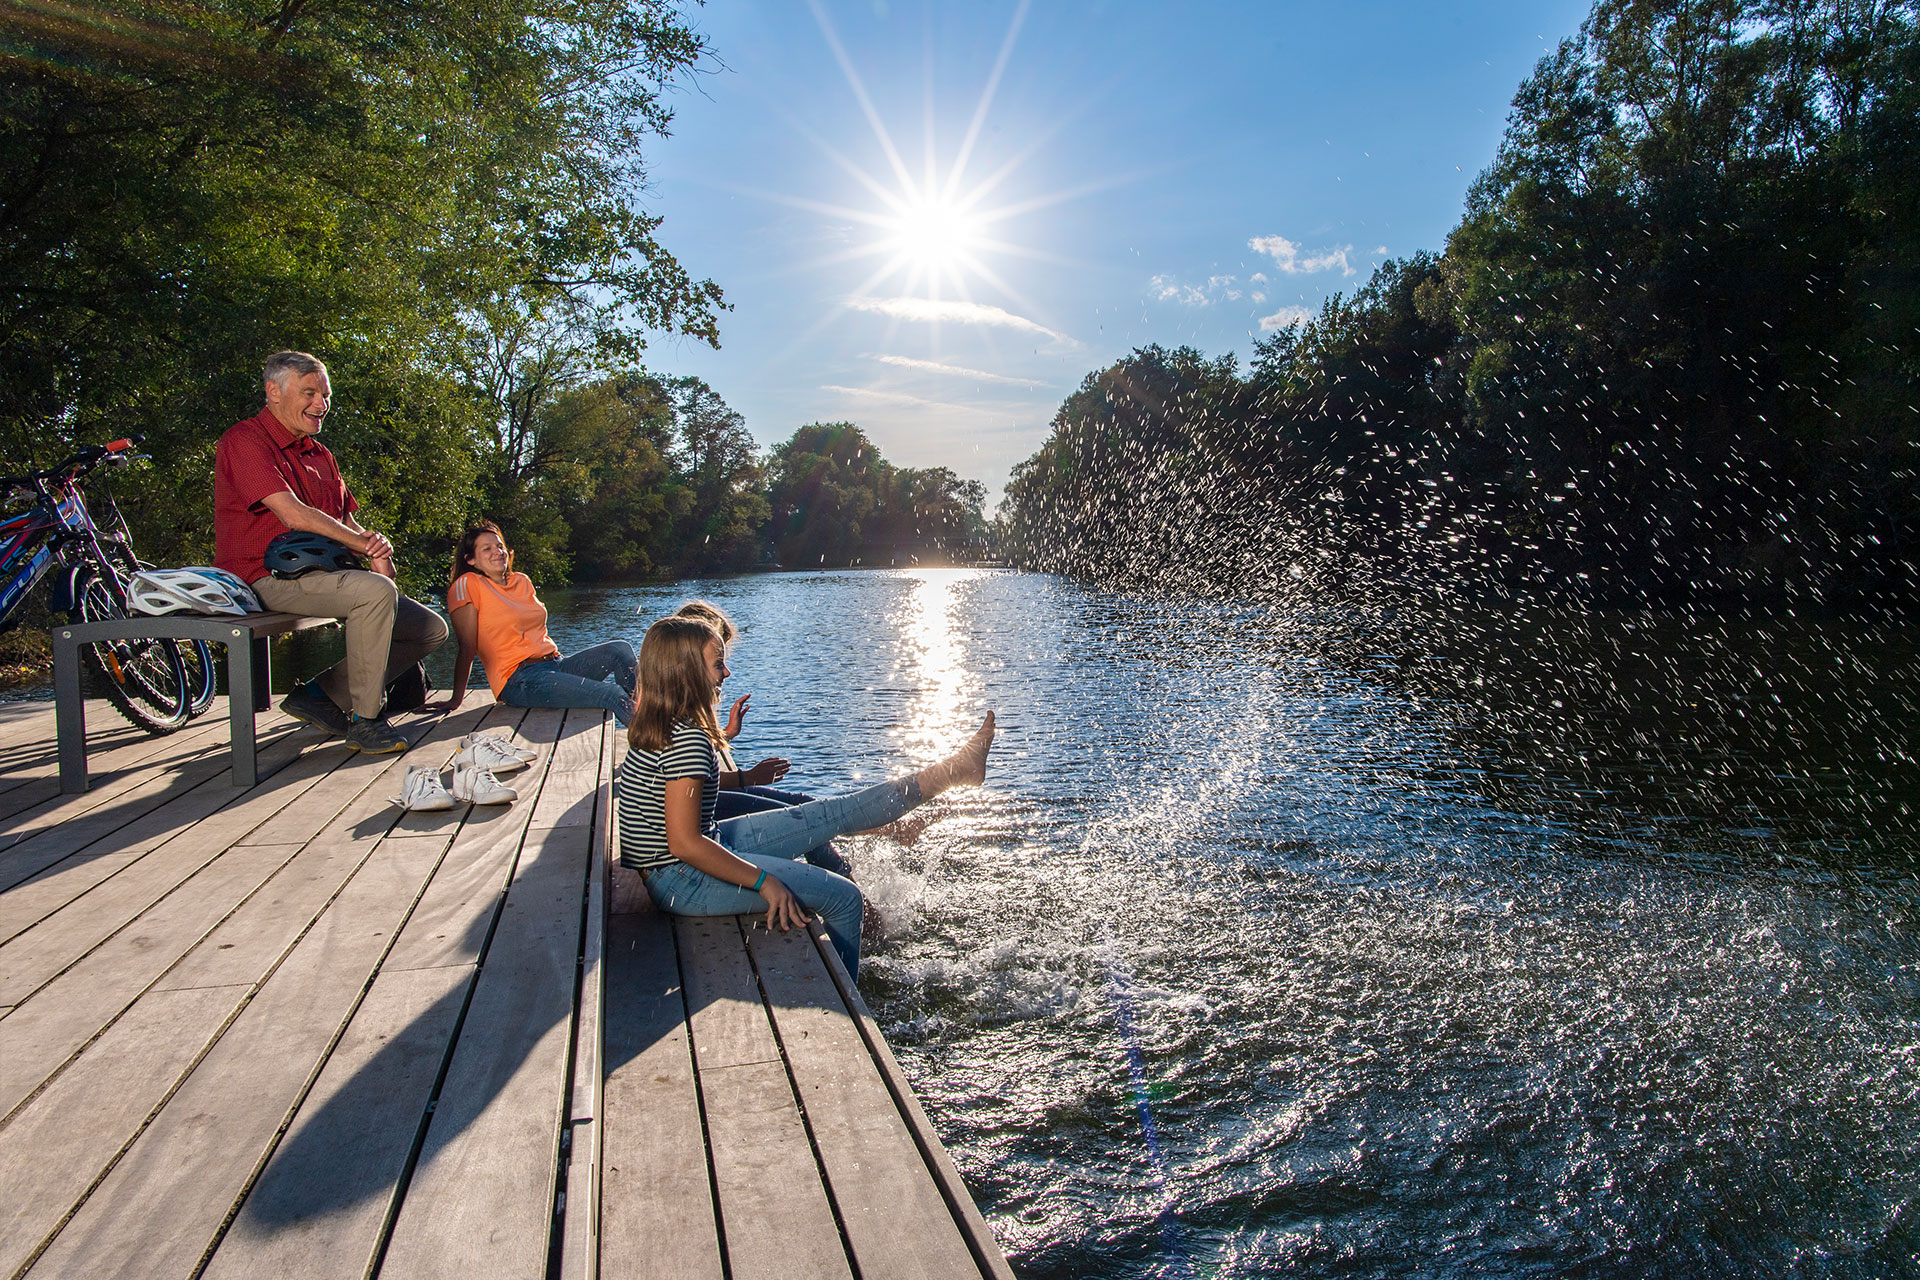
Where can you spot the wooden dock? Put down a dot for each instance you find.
(289, 1031)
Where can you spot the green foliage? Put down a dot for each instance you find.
(1672, 350)
(835, 502)
(185, 189)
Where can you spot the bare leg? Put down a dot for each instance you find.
(966, 767)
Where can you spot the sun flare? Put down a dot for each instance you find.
(933, 235)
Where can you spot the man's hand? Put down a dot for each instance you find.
(737, 718)
(767, 772)
(376, 547)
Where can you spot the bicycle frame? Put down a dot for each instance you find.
(34, 540)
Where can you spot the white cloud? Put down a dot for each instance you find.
(895, 397)
(955, 371)
(943, 311)
(1258, 277)
(1284, 317)
(1380, 251)
(1258, 296)
(1286, 256)
(1167, 289)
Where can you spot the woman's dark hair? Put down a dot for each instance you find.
(463, 554)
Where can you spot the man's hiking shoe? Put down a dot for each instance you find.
(490, 753)
(375, 737)
(506, 744)
(423, 791)
(310, 706)
(476, 784)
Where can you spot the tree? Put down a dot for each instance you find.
(185, 189)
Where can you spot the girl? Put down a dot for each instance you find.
(670, 780)
(496, 616)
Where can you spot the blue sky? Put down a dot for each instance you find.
(1059, 182)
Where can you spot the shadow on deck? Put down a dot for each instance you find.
(290, 1031)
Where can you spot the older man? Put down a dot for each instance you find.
(270, 475)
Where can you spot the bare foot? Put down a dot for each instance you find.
(966, 767)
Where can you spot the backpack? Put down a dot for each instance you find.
(408, 691)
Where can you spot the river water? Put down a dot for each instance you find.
(1375, 943)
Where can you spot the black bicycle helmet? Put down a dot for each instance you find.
(293, 553)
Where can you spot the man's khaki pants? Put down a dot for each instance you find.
(386, 632)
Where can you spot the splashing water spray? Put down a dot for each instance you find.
(1172, 1232)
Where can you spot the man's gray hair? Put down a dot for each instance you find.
(284, 365)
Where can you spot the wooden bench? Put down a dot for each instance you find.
(249, 678)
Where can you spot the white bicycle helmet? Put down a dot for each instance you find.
(201, 589)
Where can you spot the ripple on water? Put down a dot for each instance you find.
(1329, 946)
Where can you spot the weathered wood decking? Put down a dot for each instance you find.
(289, 1031)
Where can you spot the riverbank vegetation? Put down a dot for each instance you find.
(444, 202)
(1671, 352)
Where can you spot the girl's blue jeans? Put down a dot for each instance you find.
(603, 676)
(732, 804)
(776, 841)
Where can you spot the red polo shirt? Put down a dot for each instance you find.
(254, 460)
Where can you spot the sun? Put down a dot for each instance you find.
(932, 235)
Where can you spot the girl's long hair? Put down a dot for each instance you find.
(463, 554)
(676, 684)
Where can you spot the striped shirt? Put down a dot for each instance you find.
(643, 794)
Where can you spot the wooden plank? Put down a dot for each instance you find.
(39, 1036)
(580, 1221)
(41, 806)
(774, 1213)
(37, 954)
(724, 1008)
(161, 1209)
(321, 1205)
(439, 747)
(657, 1216)
(53, 1150)
(357, 792)
(896, 1220)
(32, 900)
(573, 768)
(148, 815)
(36, 783)
(986, 1250)
(482, 1197)
(455, 915)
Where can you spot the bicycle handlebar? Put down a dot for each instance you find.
(87, 458)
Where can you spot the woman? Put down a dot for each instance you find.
(670, 779)
(497, 616)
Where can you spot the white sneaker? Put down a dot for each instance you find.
(494, 753)
(423, 791)
(476, 784)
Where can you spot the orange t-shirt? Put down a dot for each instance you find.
(512, 622)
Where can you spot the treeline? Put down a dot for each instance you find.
(635, 476)
(443, 202)
(1670, 353)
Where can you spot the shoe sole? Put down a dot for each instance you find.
(376, 751)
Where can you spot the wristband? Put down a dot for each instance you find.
(757, 883)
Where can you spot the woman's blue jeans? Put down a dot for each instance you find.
(776, 841)
(603, 676)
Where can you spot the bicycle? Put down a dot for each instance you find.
(157, 684)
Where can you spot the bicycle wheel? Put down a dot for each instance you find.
(144, 679)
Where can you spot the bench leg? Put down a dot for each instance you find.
(241, 695)
(261, 653)
(69, 715)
